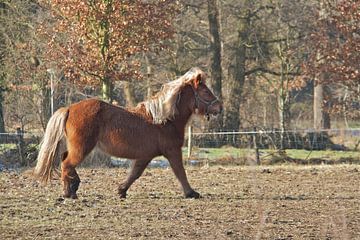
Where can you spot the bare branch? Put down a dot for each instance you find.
(264, 70)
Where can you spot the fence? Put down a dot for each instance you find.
(16, 147)
(23, 149)
(292, 139)
(308, 139)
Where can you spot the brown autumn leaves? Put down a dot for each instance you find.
(95, 42)
(335, 52)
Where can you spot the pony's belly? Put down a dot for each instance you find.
(128, 151)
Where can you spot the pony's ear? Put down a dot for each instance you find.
(197, 81)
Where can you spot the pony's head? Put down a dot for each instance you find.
(205, 102)
(163, 106)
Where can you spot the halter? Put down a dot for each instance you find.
(207, 103)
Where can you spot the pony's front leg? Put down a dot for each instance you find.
(137, 168)
(175, 160)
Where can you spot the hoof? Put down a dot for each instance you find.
(66, 195)
(193, 194)
(70, 195)
(74, 186)
(122, 194)
(74, 196)
(70, 192)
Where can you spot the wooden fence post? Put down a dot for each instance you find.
(21, 145)
(257, 155)
(189, 141)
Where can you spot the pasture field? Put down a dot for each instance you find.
(241, 156)
(272, 202)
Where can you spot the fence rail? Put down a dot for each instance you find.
(21, 141)
(291, 139)
(309, 139)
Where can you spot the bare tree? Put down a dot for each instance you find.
(215, 53)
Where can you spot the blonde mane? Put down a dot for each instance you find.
(162, 106)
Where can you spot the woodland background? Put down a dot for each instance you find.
(280, 64)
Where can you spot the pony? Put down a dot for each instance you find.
(154, 127)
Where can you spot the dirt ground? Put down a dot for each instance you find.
(279, 202)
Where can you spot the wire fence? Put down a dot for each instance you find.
(22, 147)
(18, 148)
(250, 144)
(309, 139)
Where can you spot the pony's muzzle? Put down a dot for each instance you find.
(216, 108)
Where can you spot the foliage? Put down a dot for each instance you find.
(335, 51)
(107, 45)
(22, 76)
(337, 43)
(95, 41)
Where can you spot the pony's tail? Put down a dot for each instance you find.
(49, 146)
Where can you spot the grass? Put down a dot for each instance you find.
(7, 146)
(271, 156)
(239, 156)
(326, 154)
(217, 153)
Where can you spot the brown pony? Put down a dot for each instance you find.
(155, 127)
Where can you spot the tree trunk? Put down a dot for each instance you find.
(2, 120)
(129, 94)
(215, 59)
(237, 78)
(107, 85)
(283, 97)
(45, 105)
(149, 92)
(61, 91)
(107, 90)
(284, 115)
(214, 28)
(321, 117)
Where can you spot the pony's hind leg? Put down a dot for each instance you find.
(69, 176)
(137, 168)
(79, 145)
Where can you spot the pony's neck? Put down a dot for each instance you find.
(181, 117)
(184, 113)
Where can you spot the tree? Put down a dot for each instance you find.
(215, 55)
(285, 64)
(95, 42)
(237, 69)
(2, 120)
(321, 113)
(19, 64)
(242, 49)
(215, 46)
(334, 54)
